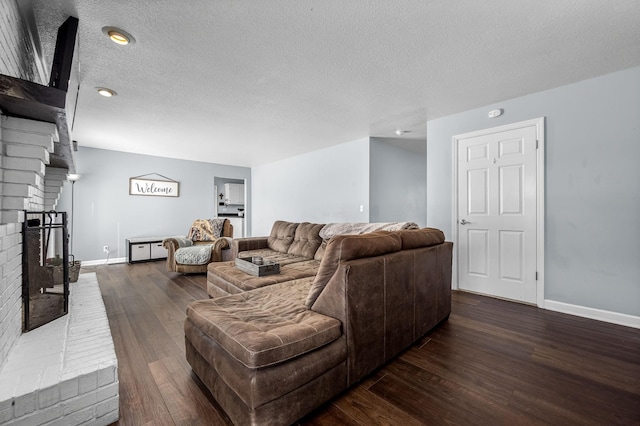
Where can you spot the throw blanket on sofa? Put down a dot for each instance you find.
(332, 229)
(194, 255)
(206, 229)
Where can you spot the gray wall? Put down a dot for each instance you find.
(397, 184)
(107, 215)
(323, 186)
(592, 250)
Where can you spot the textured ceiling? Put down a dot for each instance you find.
(248, 82)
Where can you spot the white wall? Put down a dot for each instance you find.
(323, 186)
(397, 186)
(592, 252)
(107, 215)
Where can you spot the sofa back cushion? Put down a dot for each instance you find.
(424, 237)
(306, 240)
(346, 247)
(282, 235)
(320, 252)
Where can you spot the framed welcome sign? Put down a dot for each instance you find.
(154, 187)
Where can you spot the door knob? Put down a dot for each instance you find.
(463, 222)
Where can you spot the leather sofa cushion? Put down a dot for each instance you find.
(346, 247)
(424, 237)
(265, 327)
(306, 240)
(282, 234)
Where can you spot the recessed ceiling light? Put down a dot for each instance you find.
(118, 36)
(107, 93)
(401, 132)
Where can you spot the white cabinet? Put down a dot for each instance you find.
(158, 251)
(144, 249)
(139, 252)
(238, 226)
(234, 193)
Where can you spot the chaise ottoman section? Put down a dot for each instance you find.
(277, 395)
(264, 344)
(259, 336)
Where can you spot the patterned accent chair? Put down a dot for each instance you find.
(208, 240)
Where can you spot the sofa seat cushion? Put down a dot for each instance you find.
(295, 292)
(233, 280)
(193, 255)
(276, 256)
(264, 327)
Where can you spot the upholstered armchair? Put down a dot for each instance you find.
(206, 242)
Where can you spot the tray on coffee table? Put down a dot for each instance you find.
(257, 266)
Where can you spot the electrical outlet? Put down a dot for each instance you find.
(105, 249)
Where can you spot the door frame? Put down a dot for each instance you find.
(539, 123)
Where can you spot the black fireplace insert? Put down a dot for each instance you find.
(45, 268)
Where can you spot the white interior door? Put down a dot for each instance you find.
(496, 217)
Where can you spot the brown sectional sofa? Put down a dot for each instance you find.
(271, 349)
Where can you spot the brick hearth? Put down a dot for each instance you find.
(65, 372)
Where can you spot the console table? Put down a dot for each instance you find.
(144, 249)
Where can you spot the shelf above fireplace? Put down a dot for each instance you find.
(25, 99)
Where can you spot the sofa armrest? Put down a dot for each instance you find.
(246, 244)
(216, 249)
(172, 244)
(227, 251)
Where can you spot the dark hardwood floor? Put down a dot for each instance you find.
(492, 363)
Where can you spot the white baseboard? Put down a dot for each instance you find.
(592, 313)
(104, 261)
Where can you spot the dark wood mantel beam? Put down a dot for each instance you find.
(25, 99)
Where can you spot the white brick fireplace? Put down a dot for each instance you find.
(64, 372)
(24, 153)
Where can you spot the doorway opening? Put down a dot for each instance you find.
(231, 203)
